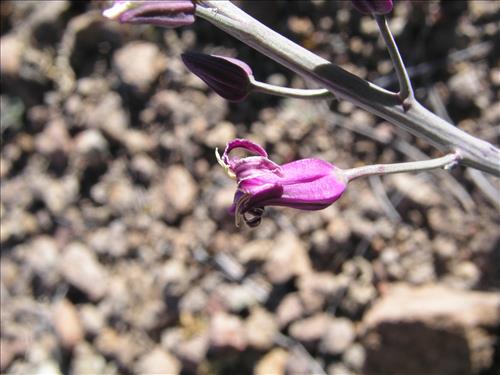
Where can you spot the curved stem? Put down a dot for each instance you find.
(405, 88)
(290, 92)
(446, 161)
(414, 118)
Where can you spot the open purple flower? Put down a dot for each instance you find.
(228, 77)
(166, 13)
(373, 6)
(305, 184)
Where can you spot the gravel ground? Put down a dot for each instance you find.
(118, 254)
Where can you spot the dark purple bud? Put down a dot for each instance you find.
(228, 77)
(373, 6)
(173, 13)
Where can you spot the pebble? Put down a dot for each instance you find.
(180, 190)
(261, 329)
(227, 331)
(92, 318)
(338, 336)
(142, 73)
(354, 357)
(80, 268)
(310, 330)
(87, 361)
(67, 323)
(289, 310)
(289, 258)
(157, 361)
(273, 362)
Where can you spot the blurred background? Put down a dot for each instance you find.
(118, 255)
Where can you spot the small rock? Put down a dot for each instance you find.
(90, 143)
(236, 297)
(67, 323)
(310, 330)
(261, 328)
(43, 256)
(125, 348)
(316, 288)
(194, 301)
(86, 361)
(12, 54)
(55, 137)
(222, 133)
(338, 336)
(92, 319)
(273, 363)
(288, 258)
(180, 190)
(339, 369)
(137, 141)
(255, 251)
(144, 168)
(111, 240)
(174, 278)
(454, 321)
(415, 188)
(139, 73)
(227, 331)
(354, 357)
(158, 361)
(290, 309)
(192, 351)
(80, 267)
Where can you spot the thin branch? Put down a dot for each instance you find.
(405, 88)
(413, 166)
(379, 190)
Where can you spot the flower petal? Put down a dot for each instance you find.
(245, 144)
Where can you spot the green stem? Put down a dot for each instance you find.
(405, 88)
(446, 162)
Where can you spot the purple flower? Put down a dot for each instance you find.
(373, 6)
(228, 77)
(305, 184)
(166, 13)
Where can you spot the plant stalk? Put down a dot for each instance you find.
(414, 117)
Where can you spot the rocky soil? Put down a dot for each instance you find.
(118, 254)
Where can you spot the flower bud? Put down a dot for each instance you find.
(170, 14)
(373, 6)
(228, 77)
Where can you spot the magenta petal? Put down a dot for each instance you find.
(306, 184)
(315, 195)
(245, 144)
(304, 170)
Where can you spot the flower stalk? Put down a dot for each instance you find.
(446, 162)
(405, 87)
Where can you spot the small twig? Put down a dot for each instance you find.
(446, 161)
(405, 88)
(379, 190)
